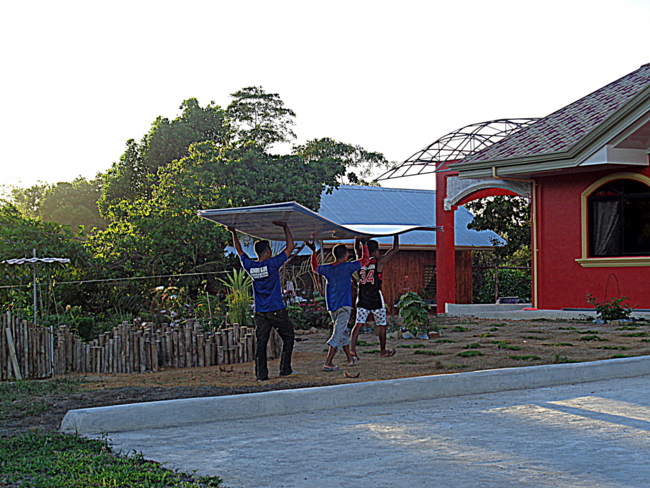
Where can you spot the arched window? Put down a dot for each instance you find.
(619, 219)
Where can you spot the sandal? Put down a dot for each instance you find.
(329, 369)
(390, 353)
(354, 361)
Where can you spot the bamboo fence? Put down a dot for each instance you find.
(128, 348)
(25, 349)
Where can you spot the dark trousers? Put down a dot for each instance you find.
(264, 321)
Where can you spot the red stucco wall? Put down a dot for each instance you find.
(563, 283)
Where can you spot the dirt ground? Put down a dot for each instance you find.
(465, 345)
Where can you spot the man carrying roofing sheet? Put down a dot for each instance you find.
(270, 310)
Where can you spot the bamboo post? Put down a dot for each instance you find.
(12, 354)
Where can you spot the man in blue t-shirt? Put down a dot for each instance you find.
(270, 310)
(338, 297)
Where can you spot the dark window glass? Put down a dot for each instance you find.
(619, 219)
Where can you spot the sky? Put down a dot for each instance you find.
(81, 78)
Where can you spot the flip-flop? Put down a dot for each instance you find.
(354, 361)
(329, 369)
(390, 353)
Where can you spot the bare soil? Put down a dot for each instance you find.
(501, 344)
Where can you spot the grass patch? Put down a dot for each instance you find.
(645, 340)
(588, 332)
(371, 351)
(509, 347)
(59, 460)
(534, 338)
(487, 334)
(499, 342)
(568, 328)
(410, 362)
(498, 324)
(473, 345)
(446, 341)
(635, 334)
(530, 357)
(20, 399)
(619, 356)
(627, 327)
(592, 338)
(458, 328)
(558, 359)
(412, 346)
(469, 354)
(493, 329)
(559, 344)
(623, 348)
(428, 353)
(364, 343)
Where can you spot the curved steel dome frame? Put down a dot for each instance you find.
(457, 145)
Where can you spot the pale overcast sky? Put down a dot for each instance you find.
(80, 78)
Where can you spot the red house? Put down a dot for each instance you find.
(586, 170)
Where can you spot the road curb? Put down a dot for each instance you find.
(177, 413)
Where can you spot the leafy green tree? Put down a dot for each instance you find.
(359, 164)
(509, 217)
(260, 117)
(134, 174)
(29, 200)
(73, 204)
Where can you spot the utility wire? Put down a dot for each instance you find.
(122, 279)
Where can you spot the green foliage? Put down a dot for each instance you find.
(59, 460)
(239, 297)
(530, 357)
(306, 315)
(509, 217)
(612, 309)
(20, 399)
(469, 354)
(512, 283)
(428, 353)
(592, 338)
(260, 117)
(413, 310)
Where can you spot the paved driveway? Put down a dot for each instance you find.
(582, 435)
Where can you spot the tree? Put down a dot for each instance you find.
(134, 174)
(359, 164)
(509, 217)
(260, 117)
(29, 200)
(73, 204)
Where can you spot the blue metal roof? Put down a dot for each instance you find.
(373, 205)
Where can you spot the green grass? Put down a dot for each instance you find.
(588, 332)
(469, 354)
(364, 343)
(447, 341)
(493, 329)
(592, 338)
(428, 353)
(635, 334)
(487, 335)
(458, 328)
(623, 348)
(530, 357)
(559, 344)
(372, 351)
(627, 327)
(473, 345)
(619, 356)
(20, 399)
(498, 324)
(412, 346)
(499, 342)
(65, 461)
(534, 338)
(509, 347)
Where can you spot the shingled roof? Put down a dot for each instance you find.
(564, 133)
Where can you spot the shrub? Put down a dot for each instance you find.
(612, 309)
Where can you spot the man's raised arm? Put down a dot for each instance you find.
(235, 241)
(287, 236)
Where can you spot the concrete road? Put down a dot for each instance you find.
(587, 435)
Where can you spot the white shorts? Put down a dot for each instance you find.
(379, 314)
